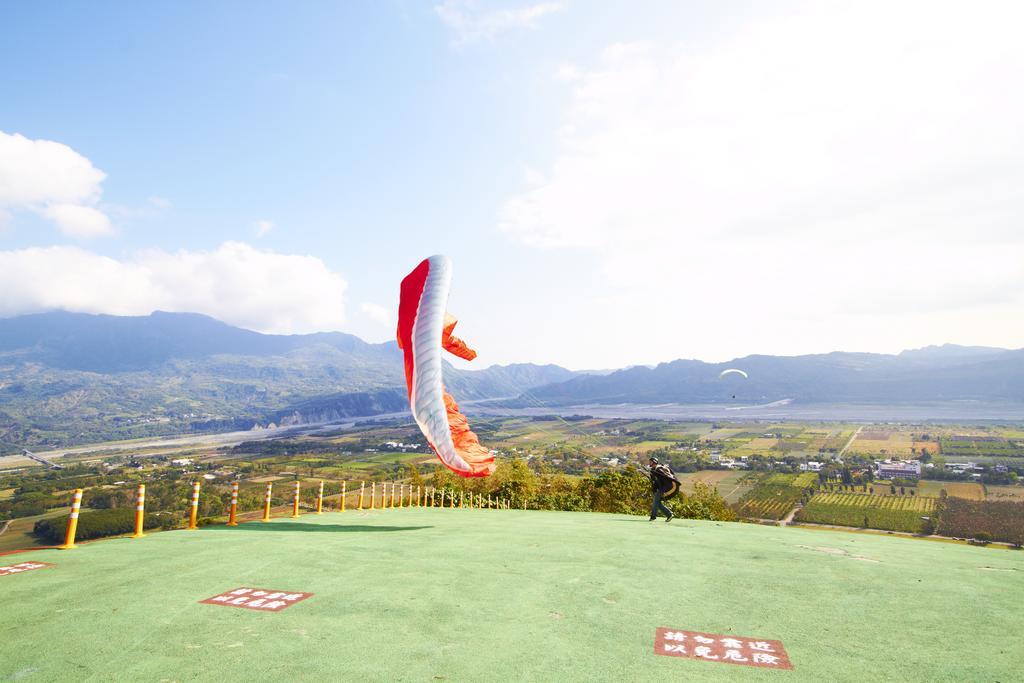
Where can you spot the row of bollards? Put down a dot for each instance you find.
(392, 496)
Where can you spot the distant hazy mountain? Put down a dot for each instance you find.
(935, 373)
(71, 377)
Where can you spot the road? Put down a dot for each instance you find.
(850, 442)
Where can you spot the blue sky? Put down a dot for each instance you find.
(614, 185)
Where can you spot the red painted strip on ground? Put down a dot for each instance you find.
(23, 567)
(259, 599)
(722, 648)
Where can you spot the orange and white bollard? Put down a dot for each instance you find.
(233, 512)
(361, 485)
(373, 494)
(419, 496)
(193, 514)
(69, 535)
(320, 499)
(343, 493)
(295, 501)
(392, 496)
(489, 503)
(266, 502)
(140, 510)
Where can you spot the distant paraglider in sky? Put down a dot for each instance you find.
(424, 329)
(723, 373)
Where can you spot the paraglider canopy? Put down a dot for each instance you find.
(723, 373)
(425, 329)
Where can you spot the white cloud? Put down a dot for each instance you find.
(54, 181)
(472, 23)
(256, 289)
(76, 220)
(377, 313)
(845, 176)
(262, 227)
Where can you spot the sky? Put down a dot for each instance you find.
(616, 183)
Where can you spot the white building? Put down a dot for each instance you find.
(899, 469)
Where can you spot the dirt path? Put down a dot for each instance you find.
(6, 525)
(789, 518)
(850, 442)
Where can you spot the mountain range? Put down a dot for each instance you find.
(68, 378)
(935, 373)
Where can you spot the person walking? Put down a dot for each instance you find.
(664, 485)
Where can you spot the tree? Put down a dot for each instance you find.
(515, 480)
(704, 503)
(415, 478)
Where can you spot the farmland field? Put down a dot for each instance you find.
(19, 533)
(972, 446)
(716, 434)
(1005, 493)
(762, 443)
(730, 484)
(960, 489)
(1001, 521)
(895, 513)
(893, 444)
(645, 446)
(775, 496)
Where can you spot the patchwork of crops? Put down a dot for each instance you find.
(912, 503)
(774, 497)
(893, 513)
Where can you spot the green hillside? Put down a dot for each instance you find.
(476, 595)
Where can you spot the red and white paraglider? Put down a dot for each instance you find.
(424, 329)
